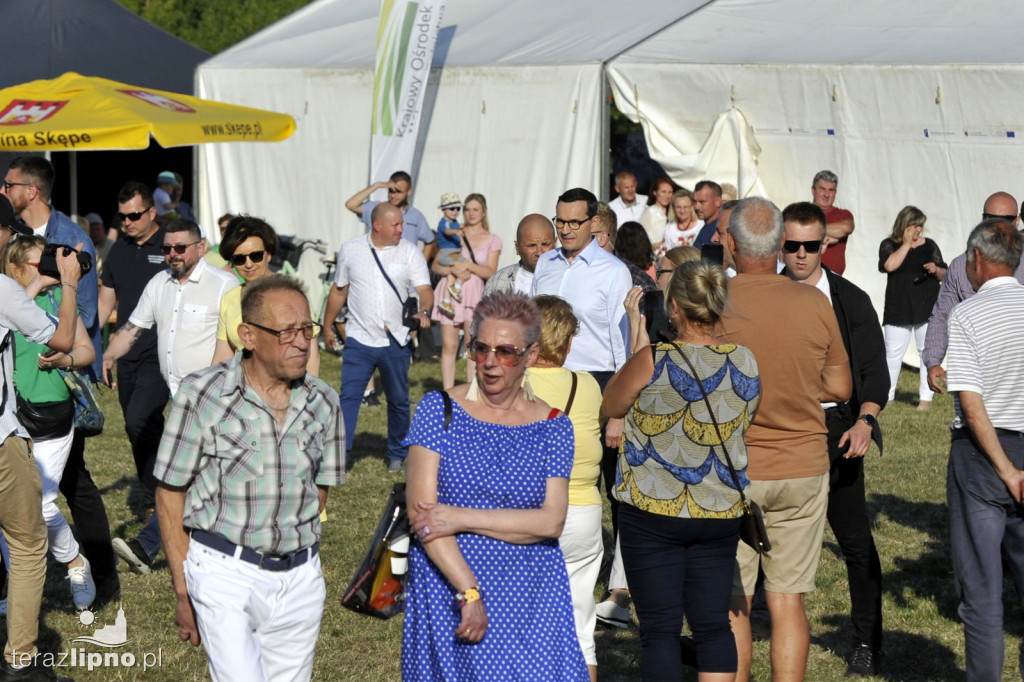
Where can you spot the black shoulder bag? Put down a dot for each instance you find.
(410, 307)
(752, 528)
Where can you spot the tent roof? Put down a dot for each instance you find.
(343, 33)
(46, 38)
(863, 32)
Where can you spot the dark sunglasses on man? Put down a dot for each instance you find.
(792, 246)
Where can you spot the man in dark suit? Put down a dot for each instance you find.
(851, 425)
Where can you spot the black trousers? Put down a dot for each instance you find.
(143, 394)
(90, 518)
(847, 515)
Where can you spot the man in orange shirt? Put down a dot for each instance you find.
(792, 330)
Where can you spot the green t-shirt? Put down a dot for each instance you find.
(34, 384)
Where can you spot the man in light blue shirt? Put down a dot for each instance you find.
(593, 281)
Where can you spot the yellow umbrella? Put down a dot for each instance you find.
(74, 112)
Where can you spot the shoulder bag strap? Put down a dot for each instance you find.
(711, 413)
(572, 393)
(385, 273)
(472, 256)
(447, 409)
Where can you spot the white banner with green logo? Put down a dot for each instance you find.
(405, 49)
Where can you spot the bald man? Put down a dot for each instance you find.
(534, 236)
(374, 275)
(956, 288)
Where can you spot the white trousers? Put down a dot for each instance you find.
(583, 549)
(256, 625)
(897, 340)
(51, 456)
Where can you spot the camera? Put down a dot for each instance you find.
(48, 261)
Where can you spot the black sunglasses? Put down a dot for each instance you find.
(992, 216)
(131, 216)
(238, 260)
(177, 248)
(792, 246)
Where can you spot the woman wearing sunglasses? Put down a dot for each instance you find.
(914, 268)
(488, 488)
(249, 244)
(679, 513)
(47, 410)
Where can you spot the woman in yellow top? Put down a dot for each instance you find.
(249, 244)
(579, 396)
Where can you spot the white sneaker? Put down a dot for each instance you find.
(83, 588)
(611, 615)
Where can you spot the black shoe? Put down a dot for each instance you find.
(864, 662)
(30, 673)
(133, 554)
(371, 400)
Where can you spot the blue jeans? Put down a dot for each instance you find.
(358, 362)
(675, 567)
(986, 529)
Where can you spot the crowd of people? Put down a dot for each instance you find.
(645, 346)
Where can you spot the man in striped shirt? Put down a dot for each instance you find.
(985, 481)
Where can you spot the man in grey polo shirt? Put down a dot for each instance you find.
(985, 481)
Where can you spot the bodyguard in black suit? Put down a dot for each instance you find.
(851, 426)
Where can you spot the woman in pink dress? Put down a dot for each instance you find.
(477, 262)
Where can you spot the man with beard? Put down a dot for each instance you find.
(183, 302)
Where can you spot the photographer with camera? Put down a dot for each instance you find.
(374, 275)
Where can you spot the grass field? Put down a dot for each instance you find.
(906, 491)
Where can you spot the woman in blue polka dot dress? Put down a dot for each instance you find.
(488, 594)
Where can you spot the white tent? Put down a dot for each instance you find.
(516, 110)
(909, 103)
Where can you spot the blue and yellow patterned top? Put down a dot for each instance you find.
(671, 461)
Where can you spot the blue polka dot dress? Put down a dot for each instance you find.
(531, 635)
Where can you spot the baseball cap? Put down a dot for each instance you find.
(93, 218)
(10, 220)
(166, 176)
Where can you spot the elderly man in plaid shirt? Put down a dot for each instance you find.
(250, 448)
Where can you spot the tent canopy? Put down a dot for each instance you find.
(46, 38)
(909, 103)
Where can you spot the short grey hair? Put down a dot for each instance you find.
(756, 227)
(827, 176)
(998, 241)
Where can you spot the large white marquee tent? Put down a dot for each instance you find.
(909, 103)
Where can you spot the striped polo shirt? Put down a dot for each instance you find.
(986, 350)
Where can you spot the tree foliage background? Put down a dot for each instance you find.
(213, 25)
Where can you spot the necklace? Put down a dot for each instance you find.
(273, 408)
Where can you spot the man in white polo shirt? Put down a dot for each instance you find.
(629, 205)
(985, 481)
(183, 302)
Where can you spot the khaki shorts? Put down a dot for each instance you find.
(794, 513)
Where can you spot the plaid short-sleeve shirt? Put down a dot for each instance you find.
(247, 479)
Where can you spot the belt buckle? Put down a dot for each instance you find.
(279, 559)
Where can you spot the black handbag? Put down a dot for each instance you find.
(752, 528)
(410, 306)
(46, 421)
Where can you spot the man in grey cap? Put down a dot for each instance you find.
(98, 235)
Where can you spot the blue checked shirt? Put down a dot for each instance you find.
(246, 478)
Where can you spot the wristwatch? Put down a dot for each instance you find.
(425, 311)
(868, 419)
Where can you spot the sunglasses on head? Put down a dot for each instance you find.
(792, 246)
(131, 216)
(238, 260)
(506, 354)
(177, 248)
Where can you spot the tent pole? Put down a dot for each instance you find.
(606, 134)
(73, 172)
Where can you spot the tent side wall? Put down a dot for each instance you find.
(941, 138)
(519, 135)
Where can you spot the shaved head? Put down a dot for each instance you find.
(534, 221)
(534, 237)
(1001, 205)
